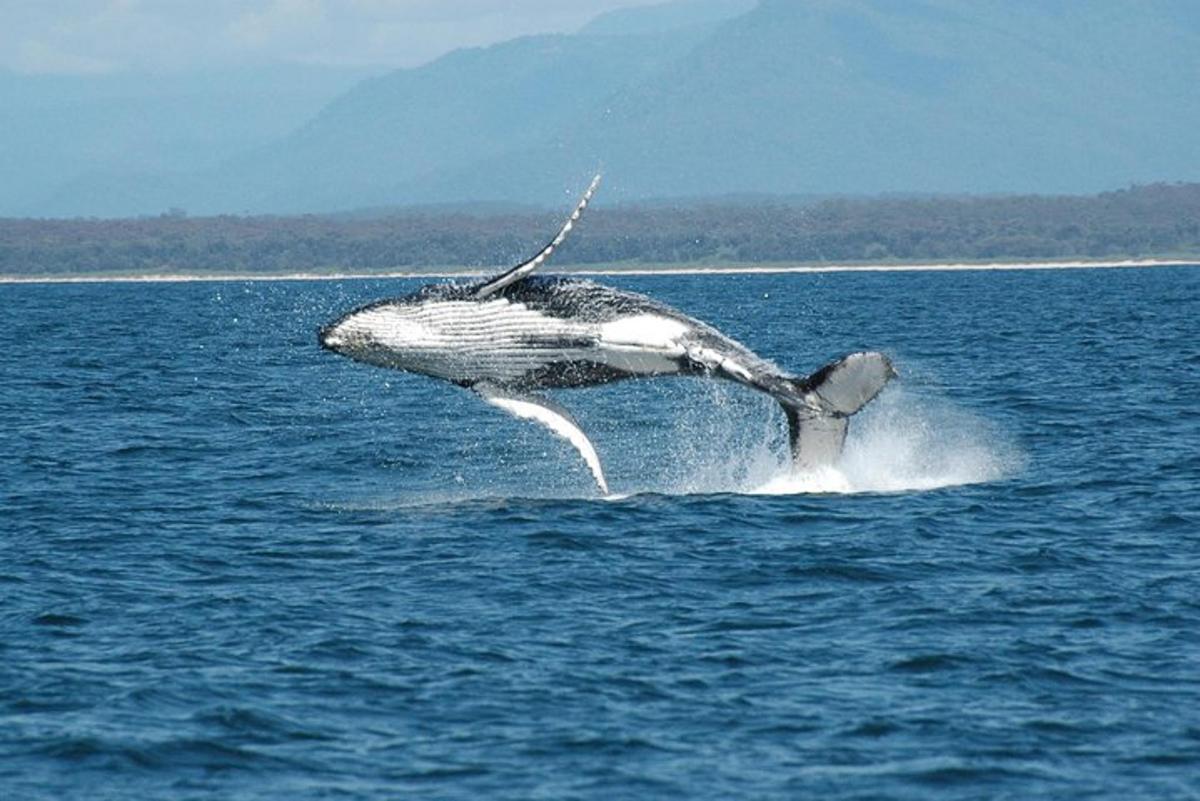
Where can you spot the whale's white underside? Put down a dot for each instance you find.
(504, 342)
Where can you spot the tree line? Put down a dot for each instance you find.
(1138, 222)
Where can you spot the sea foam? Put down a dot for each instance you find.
(907, 442)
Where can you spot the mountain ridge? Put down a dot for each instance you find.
(790, 97)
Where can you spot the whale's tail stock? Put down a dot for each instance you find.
(818, 407)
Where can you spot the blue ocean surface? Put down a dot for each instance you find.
(235, 566)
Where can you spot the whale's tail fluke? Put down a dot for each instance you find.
(820, 407)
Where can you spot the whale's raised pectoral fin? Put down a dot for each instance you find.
(527, 267)
(554, 417)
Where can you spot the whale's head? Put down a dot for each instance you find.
(383, 334)
(413, 333)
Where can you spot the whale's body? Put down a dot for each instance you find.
(511, 336)
(543, 333)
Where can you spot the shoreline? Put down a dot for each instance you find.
(750, 269)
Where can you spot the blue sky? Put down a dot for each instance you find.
(104, 36)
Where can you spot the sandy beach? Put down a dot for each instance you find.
(590, 271)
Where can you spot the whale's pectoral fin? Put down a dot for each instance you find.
(545, 411)
(527, 267)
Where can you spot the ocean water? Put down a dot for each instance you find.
(235, 566)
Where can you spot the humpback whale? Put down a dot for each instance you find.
(512, 335)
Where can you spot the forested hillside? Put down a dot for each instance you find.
(1145, 221)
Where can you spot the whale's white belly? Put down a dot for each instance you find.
(643, 344)
(467, 340)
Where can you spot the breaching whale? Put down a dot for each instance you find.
(514, 334)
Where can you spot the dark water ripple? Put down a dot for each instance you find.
(232, 566)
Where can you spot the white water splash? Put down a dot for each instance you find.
(708, 438)
(906, 443)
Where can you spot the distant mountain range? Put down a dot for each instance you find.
(716, 97)
(100, 144)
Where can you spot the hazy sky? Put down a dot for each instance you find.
(97, 36)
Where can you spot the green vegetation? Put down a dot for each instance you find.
(1142, 222)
